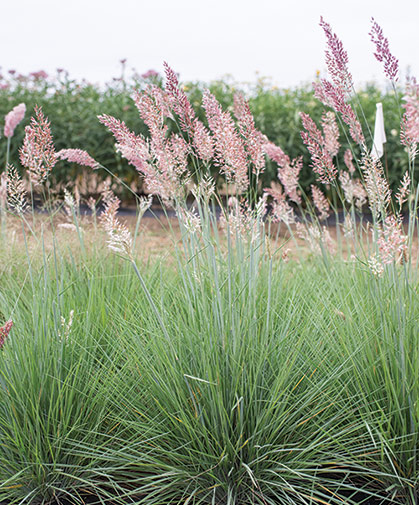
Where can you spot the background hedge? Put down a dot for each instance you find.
(73, 107)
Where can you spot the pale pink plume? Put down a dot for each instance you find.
(383, 54)
(13, 118)
(321, 203)
(4, 332)
(78, 156)
(336, 59)
(333, 96)
(37, 153)
(230, 152)
(322, 162)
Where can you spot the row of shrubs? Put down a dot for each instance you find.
(73, 106)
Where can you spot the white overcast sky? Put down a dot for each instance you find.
(202, 39)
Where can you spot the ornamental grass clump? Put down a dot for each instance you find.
(233, 371)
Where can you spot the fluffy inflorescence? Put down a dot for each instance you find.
(254, 140)
(16, 193)
(78, 156)
(376, 185)
(242, 221)
(230, 152)
(288, 171)
(410, 121)
(333, 96)
(331, 133)
(119, 237)
(281, 209)
(37, 153)
(392, 242)
(322, 162)
(320, 202)
(382, 51)
(353, 190)
(13, 118)
(4, 332)
(348, 160)
(404, 190)
(336, 59)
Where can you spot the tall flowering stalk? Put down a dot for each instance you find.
(392, 242)
(230, 153)
(254, 140)
(336, 59)
(281, 209)
(322, 162)
(333, 96)
(348, 160)
(78, 156)
(288, 170)
(38, 154)
(320, 202)
(382, 52)
(189, 123)
(119, 237)
(13, 118)
(331, 133)
(376, 185)
(410, 122)
(16, 193)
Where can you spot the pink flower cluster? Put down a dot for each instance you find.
(331, 133)
(336, 59)
(37, 153)
(281, 209)
(392, 242)
(288, 171)
(320, 202)
(347, 158)
(13, 118)
(376, 185)
(322, 162)
(333, 96)
(383, 54)
(229, 150)
(353, 190)
(254, 140)
(78, 156)
(410, 122)
(4, 332)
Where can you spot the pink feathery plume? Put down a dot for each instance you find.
(336, 59)
(383, 54)
(202, 141)
(347, 158)
(281, 209)
(78, 156)
(131, 146)
(376, 185)
(322, 162)
(288, 171)
(37, 153)
(331, 133)
(13, 118)
(4, 332)
(332, 96)
(230, 153)
(392, 242)
(321, 203)
(181, 103)
(189, 123)
(275, 153)
(410, 121)
(254, 140)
